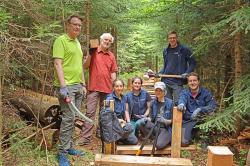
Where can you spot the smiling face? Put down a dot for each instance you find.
(106, 41)
(159, 93)
(193, 83)
(118, 87)
(74, 27)
(172, 40)
(136, 85)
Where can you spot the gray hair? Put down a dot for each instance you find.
(107, 34)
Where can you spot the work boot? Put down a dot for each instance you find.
(63, 159)
(75, 152)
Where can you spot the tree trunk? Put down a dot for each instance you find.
(1, 117)
(238, 72)
(87, 24)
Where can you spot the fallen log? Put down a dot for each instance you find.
(37, 107)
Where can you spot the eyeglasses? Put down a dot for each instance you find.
(75, 24)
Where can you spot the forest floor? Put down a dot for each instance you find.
(30, 153)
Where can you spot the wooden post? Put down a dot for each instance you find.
(176, 133)
(110, 148)
(218, 155)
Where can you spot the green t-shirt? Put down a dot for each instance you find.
(69, 50)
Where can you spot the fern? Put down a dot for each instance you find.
(225, 119)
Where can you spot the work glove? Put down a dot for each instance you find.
(64, 92)
(164, 121)
(157, 75)
(140, 116)
(195, 114)
(184, 75)
(181, 107)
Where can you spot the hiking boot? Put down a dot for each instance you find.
(82, 141)
(63, 159)
(75, 152)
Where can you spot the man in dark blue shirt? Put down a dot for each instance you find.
(195, 103)
(178, 60)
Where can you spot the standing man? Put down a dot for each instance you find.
(102, 72)
(195, 103)
(69, 82)
(178, 60)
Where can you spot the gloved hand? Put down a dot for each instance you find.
(181, 107)
(64, 92)
(161, 120)
(195, 114)
(91, 51)
(140, 116)
(184, 75)
(157, 75)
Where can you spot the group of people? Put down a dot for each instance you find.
(136, 107)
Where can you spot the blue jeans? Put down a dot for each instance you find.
(173, 92)
(68, 117)
(186, 134)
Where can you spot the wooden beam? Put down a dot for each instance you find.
(132, 149)
(218, 155)
(176, 133)
(110, 148)
(126, 160)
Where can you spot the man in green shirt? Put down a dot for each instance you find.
(69, 82)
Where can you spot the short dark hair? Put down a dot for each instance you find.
(194, 74)
(172, 32)
(136, 77)
(74, 16)
(116, 80)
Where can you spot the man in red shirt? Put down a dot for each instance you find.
(102, 72)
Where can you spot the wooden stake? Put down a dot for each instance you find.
(176, 133)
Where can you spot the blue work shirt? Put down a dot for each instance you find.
(138, 107)
(119, 104)
(177, 61)
(168, 109)
(204, 100)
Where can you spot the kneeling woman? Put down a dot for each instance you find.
(119, 101)
(160, 114)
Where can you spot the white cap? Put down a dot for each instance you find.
(160, 85)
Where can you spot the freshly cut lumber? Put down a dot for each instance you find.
(218, 155)
(126, 160)
(176, 133)
(132, 149)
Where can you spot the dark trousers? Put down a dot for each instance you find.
(164, 137)
(187, 128)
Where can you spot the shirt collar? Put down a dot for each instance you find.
(68, 38)
(100, 50)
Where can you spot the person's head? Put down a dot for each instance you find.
(73, 25)
(193, 81)
(136, 83)
(160, 90)
(106, 39)
(172, 39)
(118, 86)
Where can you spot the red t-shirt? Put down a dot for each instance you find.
(101, 66)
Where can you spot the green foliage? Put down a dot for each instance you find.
(185, 154)
(242, 157)
(4, 19)
(225, 120)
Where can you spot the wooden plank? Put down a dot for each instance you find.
(132, 149)
(218, 155)
(110, 148)
(126, 160)
(176, 133)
